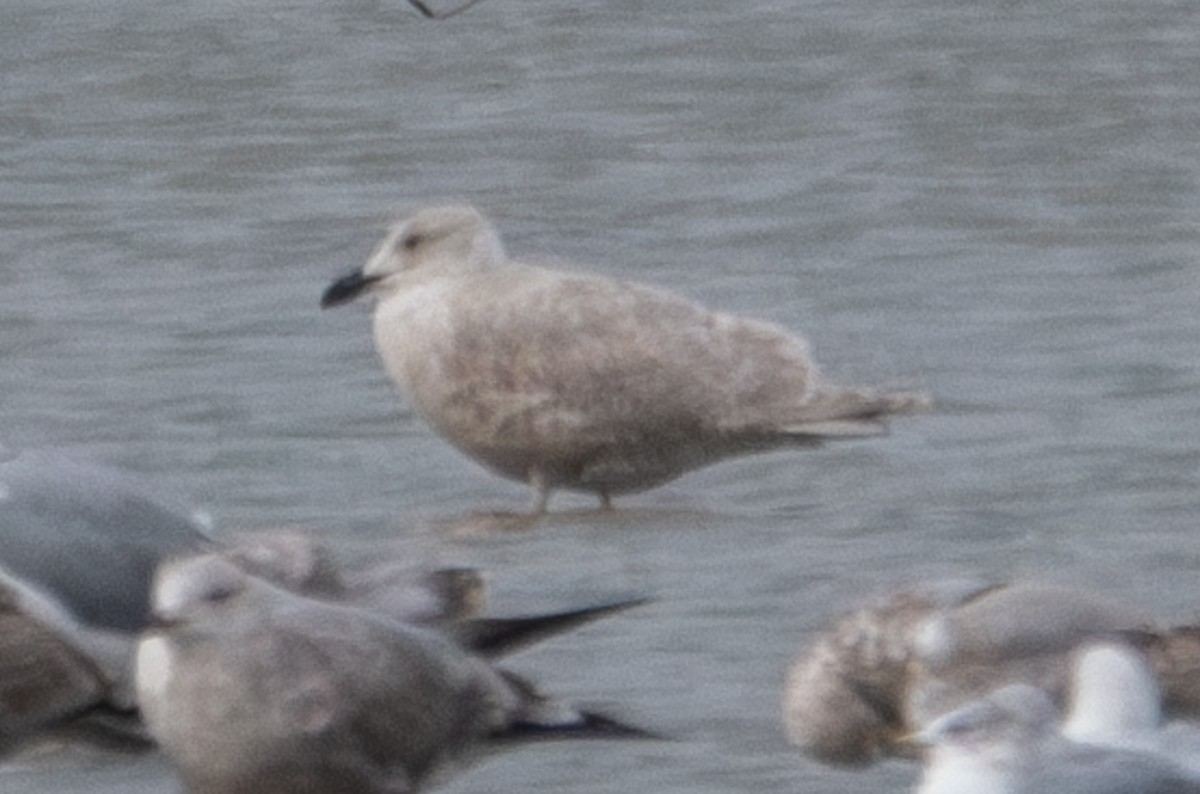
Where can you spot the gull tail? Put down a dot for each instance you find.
(497, 637)
(851, 413)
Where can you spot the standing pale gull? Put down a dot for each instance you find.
(567, 380)
(1009, 743)
(250, 688)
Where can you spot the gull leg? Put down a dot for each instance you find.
(605, 500)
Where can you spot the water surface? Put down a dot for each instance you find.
(994, 203)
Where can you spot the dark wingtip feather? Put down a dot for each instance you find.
(424, 9)
(496, 637)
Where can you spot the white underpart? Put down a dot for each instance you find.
(934, 643)
(154, 667)
(1116, 702)
(957, 771)
(1115, 698)
(172, 592)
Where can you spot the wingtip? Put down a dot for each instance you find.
(911, 402)
(497, 637)
(424, 9)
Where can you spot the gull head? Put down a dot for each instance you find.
(935, 641)
(197, 591)
(437, 241)
(987, 746)
(289, 559)
(1008, 719)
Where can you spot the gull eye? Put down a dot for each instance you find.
(411, 240)
(221, 593)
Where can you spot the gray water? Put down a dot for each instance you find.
(994, 202)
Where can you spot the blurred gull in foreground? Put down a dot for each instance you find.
(59, 678)
(1009, 743)
(567, 380)
(78, 546)
(844, 701)
(88, 535)
(1115, 701)
(1024, 632)
(888, 669)
(251, 688)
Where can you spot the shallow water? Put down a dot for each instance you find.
(994, 203)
